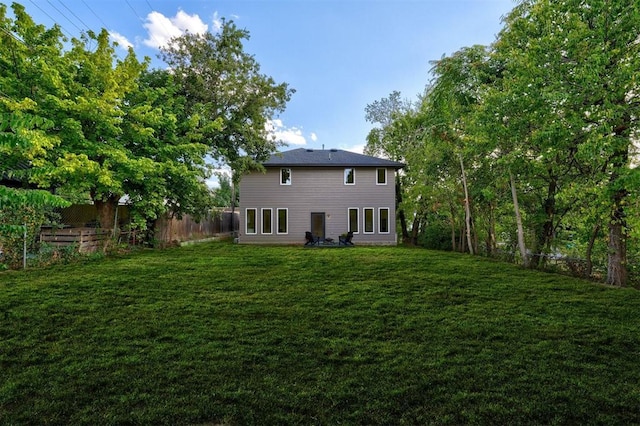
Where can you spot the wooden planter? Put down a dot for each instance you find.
(87, 240)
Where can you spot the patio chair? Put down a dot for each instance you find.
(346, 240)
(311, 239)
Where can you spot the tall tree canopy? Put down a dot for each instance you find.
(119, 130)
(226, 95)
(549, 112)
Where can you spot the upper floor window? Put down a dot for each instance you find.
(349, 176)
(381, 176)
(285, 176)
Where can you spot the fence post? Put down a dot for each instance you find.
(24, 248)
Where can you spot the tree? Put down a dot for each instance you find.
(580, 58)
(223, 196)
(22, 210)
(156, 127)
(389, 139)
(227, 97)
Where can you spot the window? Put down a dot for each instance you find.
(349, 176)
(285, 176)
(250, 225)
(266, 221)
(381, 176)
(383, 220)
(283, 219)
(353, 220)
(368, 221)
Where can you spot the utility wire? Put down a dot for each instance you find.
(76, 16)
(96, 15)
(150, 33)
(64, 16)
(50, 17)
(15, 37)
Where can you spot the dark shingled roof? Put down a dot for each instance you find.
(327, 158)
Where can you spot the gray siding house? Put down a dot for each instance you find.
(327, 192)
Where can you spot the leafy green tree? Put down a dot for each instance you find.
(229, 100)
(389, 139)
(22, 209)
(579, 61)
(93, 156)
(224, 195)
(156, 127)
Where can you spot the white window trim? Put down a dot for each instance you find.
(385, 176)
(280, 176)
(357, 231)
(262, 221)
(344, 177)
(364, 220)
(246, 221)
(388, 220)
(278, 221)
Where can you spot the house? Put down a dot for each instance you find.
(327, 192)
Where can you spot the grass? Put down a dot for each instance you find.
(226, 334)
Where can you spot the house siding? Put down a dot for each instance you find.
(317, 190)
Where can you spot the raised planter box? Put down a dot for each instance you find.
(87, 239)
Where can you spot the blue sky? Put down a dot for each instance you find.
(339, 55)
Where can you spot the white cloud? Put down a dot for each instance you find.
(358, 149)
(314, 137)
(288, 135)
(217, 22)
(162, 29)
(122, 41)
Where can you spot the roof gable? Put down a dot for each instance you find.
(303, 157)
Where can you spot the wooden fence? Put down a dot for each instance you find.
(87, 240)
(217, 223)
(78, 225)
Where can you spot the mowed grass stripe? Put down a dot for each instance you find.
(228, 334)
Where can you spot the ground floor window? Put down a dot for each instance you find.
(283, 218)
(383, 220)
(353, 220)
(368, 221)
(250, 221)
(266, 221)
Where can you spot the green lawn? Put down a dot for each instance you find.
(226, 334)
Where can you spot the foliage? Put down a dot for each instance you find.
(225, 194)
(226, 95)
(116, 129)
(231, 334)
(535, 132)
(22, 211)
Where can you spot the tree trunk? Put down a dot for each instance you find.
(544, 236)
(401, 216)
(592, 241)
(107, 211)
(491, 237)
(617, 258)
(453, 227)
(415, 229)
(233, 209)
(516, 208)
(467, 209)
